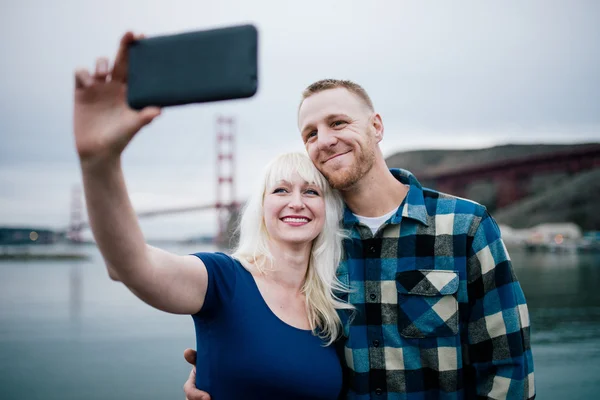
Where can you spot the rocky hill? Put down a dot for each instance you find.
(421, 161)
(573, 199)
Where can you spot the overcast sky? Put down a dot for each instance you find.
(442, 74)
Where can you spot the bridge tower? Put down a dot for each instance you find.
(226, 203)
(75, 223)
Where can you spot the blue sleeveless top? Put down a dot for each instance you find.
(246, 352)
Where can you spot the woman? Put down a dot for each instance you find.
(266, 317)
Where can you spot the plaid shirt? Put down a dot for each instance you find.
(439, 311)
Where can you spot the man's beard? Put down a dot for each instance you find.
(346, 178)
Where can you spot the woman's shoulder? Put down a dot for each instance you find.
(214, 257)
(218, 262)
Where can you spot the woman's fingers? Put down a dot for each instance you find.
(119, 72)
(101, 69)
(83, 79)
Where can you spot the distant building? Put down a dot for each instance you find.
(513, 236)
(557, 233)
(26, 236)
(551, 233)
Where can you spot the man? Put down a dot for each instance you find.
(439, 311)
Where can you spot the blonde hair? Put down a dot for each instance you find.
(326, 84)
(320, 282)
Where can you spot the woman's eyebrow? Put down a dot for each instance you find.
(311, 185)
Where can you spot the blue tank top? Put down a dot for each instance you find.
(246, 352)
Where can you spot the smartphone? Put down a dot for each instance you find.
(193, 67)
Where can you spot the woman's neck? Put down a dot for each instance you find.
(290, 263)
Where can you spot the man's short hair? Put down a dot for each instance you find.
(326, 84)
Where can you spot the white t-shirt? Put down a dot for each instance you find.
(375, 222)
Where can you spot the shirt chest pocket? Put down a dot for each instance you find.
(427, 303)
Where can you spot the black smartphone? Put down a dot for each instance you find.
(193, 67)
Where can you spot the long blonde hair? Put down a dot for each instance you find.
(320, 282)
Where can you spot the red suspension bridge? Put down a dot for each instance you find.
(225, 203)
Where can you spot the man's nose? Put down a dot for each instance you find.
(326, 140)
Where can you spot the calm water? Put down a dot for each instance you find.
(68, 332)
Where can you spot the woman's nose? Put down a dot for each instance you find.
(296, 201)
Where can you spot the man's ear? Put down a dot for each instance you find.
(377, 124)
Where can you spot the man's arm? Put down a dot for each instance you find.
(498, 354)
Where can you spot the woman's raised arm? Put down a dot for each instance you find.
(104, 125)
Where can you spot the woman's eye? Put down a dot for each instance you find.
(280, 190)
(312, 191)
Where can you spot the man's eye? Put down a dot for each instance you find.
(311, 134)
(338, 123)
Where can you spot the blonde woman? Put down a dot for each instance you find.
(266, 316)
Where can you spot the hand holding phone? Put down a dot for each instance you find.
(193, 67)
(103, 122)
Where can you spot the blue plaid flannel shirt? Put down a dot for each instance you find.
(439, 311)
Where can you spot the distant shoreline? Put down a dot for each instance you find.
(30, 257)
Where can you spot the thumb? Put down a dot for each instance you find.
(190, 356)
(146, 115)
(137, 120)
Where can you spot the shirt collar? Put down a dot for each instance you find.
(413, 205)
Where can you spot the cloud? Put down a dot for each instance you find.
(462, 74)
